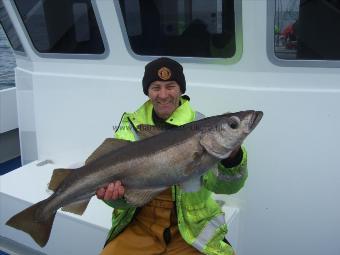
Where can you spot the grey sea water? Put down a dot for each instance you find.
(7, 62)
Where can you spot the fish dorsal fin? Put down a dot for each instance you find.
(58, 177)
(140, 197)
(210, 142)
(109, 145)
(145, 131)
(78, 207)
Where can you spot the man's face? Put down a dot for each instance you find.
(165, 96)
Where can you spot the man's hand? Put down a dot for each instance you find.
(111, 192)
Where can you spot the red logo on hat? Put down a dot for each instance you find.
(164, 73)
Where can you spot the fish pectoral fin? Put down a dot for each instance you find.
(194, 164)
(210, 143)
(109, 145)
(58, 177)
(140, 197)
(78, 207)
(145, 131)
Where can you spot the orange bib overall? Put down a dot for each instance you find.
(153, 231)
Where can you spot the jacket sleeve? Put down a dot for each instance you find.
(223, 180)
(122, 132)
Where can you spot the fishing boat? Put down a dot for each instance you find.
(79, 65)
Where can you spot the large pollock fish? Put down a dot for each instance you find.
(145, 167)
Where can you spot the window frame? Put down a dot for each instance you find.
(285, 62)
(188, 59)
(88, 56)
(17, 52)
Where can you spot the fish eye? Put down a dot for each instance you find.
(233, 122)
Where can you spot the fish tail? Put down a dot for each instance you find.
(29, 221)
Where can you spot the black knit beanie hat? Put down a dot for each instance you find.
(163, 69)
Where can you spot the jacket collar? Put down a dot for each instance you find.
(182, 115)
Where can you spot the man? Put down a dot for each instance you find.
(183, 220)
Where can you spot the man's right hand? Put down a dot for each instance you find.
(111, 192)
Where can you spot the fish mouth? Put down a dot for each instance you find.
(255, 119)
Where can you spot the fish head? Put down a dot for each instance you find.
(233, 128)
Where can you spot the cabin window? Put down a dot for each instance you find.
(7, 25)
(186, 28)
(7, 62)
(306, 29)
(63, 26)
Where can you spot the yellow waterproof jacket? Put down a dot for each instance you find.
(201, 221)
